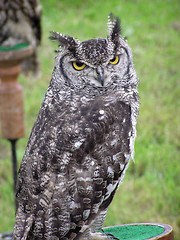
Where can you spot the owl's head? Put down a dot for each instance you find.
(98, 63)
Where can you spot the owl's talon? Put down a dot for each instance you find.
(109, 235)
(99, 236)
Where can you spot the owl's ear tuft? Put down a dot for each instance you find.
(65, 41)
(114, 28)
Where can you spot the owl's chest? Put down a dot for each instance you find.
(88, 134)
(98, 124)
(98, 134)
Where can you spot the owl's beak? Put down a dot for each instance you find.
(100, 75)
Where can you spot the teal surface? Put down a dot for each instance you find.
(13, 48)
(135, 232)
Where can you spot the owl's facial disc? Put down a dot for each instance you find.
(99, 76)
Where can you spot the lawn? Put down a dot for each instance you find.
(150, 191)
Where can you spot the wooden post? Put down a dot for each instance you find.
(11, 103)
(11, 98)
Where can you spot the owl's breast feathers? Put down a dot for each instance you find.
(76, 156)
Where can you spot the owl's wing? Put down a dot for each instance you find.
(23, 224)
(42, 204)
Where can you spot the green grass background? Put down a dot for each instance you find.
(151, 189)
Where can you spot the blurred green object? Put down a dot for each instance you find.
(141, 231)
(14, 47)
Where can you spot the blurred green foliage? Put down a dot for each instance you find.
(150, 191)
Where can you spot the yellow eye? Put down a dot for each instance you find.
(78, 65)
(114, 60)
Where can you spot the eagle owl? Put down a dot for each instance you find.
(82, 141)
(20, 21)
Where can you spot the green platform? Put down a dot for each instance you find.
(135, 231)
